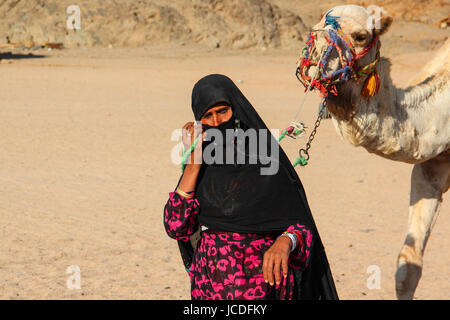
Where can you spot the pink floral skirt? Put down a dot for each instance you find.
(228, 266)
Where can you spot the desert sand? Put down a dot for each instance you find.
(86, 168)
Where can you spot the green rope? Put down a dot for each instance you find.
(283, 134)
(300, 160)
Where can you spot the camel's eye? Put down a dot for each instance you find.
(359, 37)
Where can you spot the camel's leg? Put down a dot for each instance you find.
(429, 180)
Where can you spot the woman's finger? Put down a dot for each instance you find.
(284, 265)
(187, 124)
(276, 270)
(267, 268)
(186, 132)
(186, 129)
(196, 130)
(191, 134)
(270, 270)
(264, 268)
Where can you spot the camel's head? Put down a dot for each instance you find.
(343, 50)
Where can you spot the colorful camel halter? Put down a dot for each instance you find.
(348, 60)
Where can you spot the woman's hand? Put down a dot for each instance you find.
(194, 161)
(276, 259)
(190, 132)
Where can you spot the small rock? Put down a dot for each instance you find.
(240, 81)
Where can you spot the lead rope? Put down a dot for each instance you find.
(297, 127)
(303, 159)
(185, 154)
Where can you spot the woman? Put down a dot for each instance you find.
(258, 239)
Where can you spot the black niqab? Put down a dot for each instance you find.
(238, 198)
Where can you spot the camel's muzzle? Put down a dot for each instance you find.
(313, 70)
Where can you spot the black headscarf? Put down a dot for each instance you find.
(238, 198)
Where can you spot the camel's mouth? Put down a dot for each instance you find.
(329, 60)
(326, 61)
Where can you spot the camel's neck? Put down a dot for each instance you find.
(418, 96)
(407, 125)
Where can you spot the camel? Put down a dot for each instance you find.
(411, 125)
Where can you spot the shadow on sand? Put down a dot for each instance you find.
(18, 56)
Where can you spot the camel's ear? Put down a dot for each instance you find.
(380, 20)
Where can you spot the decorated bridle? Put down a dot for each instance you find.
(348, 60)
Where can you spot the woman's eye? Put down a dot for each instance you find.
(223, 111)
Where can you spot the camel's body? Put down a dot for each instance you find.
(410, 125)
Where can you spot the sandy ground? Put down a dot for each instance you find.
(86, 170)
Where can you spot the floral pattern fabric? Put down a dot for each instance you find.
(228, 266)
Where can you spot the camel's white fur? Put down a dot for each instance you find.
(410, 125)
